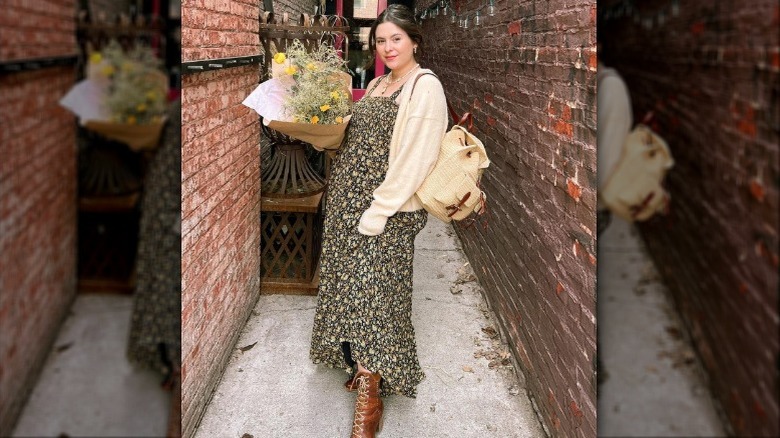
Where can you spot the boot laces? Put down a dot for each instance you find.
(361, 404)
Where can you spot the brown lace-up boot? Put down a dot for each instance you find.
(351, 384)
(368, 406)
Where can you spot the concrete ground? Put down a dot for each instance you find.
(87, 387)
(273, 390)
(652, 383)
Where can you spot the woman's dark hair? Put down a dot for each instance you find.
(402, 17)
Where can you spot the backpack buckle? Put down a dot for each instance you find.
(457, 207)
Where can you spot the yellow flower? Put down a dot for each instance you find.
(311, 66)
(324, 108)
(335, 95)
(140, 107)
(151, 96)
(339, 119)
(107, 70)
(291, 70)
(131, 120)
(280, 57)
(95, 57)
(315, 120)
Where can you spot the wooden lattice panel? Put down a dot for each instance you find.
(290, 244)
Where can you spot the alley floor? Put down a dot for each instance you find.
(652, 384)
(87, 387)
(270, 388)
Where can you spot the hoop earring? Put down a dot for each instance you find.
(415, 50)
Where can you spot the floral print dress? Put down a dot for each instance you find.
(365, 291)
(155, 326)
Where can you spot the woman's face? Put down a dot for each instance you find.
(394, 46)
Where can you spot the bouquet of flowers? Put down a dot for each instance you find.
(309, 96)
(123, 97)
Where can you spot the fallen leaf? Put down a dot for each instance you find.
(247, 347)
(685, 357)
(64, 347)
(465, 274)
(649, 274)
(246, 435)
(674, 332)
(468, 369)
(456, 289)
(490, 331)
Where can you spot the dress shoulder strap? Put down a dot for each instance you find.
(396, 93)
(381, 78)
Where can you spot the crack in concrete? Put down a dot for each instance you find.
(438, 250)
(445, 302)
(266, 312)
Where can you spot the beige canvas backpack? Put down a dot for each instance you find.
(633, 191)
(451, 191)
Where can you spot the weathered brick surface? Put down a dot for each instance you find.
(35, 29)
(711, 74)
(219, 29)
(220, 195)
(528, 76)
(220, 234)
(37, 197)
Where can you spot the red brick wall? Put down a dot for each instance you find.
(220, 233)
(34, 29)
(711, 75)
(220, 195)
(528, 75)
(37, 197)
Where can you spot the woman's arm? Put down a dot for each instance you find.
(614, 124)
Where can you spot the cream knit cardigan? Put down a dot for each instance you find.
(414, 148)
(614, 123)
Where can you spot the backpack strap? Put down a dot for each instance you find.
(467, 117)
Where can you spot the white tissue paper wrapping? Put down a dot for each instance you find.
(268, 99)
(85, 100)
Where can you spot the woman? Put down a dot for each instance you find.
(363, 318)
